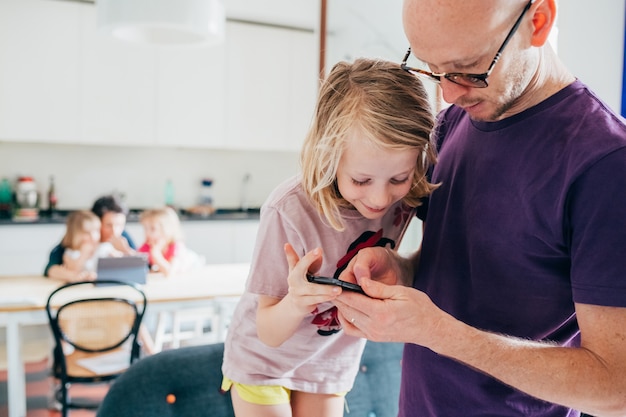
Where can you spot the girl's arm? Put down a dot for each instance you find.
(279, 318)
(164, 266)
(77, 264)
(61, 273)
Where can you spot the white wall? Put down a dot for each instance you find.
(82, 173)
(591, 44)
(590, 38)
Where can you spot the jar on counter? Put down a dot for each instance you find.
(26, 193)
(206, 192)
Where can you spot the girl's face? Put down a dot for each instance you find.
(89, 234)
(153, 231)
(371, 178)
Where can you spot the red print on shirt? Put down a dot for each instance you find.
(327, 321)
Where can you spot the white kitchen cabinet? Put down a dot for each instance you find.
(62, 81)
(294, 13)
(219, 241)
(272, 86)
(191, 102)
(24, 249)
(117, 85)
(227, 241)
(39, 68)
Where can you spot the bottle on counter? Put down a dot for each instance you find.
(169, 193)
(6, 199)
(52, 197)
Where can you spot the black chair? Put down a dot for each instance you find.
(185, 382)
(95, 329)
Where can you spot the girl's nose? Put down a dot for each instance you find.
(380, 198)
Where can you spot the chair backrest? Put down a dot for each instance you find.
(88, 320)
(182, 382)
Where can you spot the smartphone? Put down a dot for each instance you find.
(334, 281)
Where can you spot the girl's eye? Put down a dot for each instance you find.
(398, 182)
(359, 183)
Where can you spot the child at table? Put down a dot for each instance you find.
(164, 245)
(82, 247)
(364, 163)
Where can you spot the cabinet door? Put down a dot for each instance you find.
(269, 93)
(39, 70)
(118, 91)
(25, 249)
(244, 240)
(220, 242)
(191, 96)
(295, 13)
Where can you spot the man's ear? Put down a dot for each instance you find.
(544, 18)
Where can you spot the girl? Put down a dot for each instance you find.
(363, 173)
(163, 243)
(82, 247)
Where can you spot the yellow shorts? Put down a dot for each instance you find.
(261, 394)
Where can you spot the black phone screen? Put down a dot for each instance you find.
(334, 281)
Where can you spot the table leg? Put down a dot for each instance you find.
(16, 378)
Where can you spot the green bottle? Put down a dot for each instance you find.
(169, 193)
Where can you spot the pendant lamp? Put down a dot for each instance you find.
(163, 21)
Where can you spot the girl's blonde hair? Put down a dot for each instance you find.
(167, 218)
(75, 224)
(389, 105)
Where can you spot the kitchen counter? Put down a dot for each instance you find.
(60, 216)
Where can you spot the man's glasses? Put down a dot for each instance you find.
(464, 79)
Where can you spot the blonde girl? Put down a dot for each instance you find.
(363, 174)
(164, 244)
(82, 247)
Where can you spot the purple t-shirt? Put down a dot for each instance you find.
(529, 219)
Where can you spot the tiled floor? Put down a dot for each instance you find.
(38, 390)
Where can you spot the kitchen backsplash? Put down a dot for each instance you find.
(83, 173)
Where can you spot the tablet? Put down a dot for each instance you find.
(125, 268)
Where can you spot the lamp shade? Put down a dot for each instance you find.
(163, 21)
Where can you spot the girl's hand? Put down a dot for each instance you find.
(121, 244)
(303, 295)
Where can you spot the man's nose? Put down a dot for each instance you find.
(451, 91)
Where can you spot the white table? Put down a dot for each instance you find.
(23, 301)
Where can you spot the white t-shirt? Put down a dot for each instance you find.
(319, 357)
(104, 250)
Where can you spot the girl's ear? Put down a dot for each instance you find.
(544, 18)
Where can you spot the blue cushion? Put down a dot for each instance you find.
(377, 385)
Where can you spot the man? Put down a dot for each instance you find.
(112, 213)
(518, 305)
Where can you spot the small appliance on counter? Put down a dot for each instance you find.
(27, 200)
(206, 205)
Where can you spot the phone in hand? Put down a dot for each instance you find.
(334, 281)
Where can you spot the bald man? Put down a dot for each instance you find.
(516, 303)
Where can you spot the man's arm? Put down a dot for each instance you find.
(591, 378)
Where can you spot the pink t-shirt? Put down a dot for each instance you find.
(319, 357)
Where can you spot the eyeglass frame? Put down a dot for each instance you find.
(480, 80)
